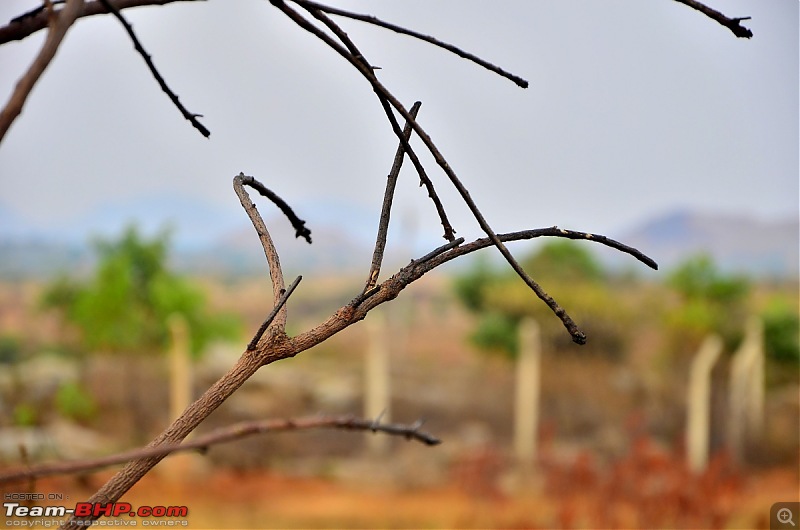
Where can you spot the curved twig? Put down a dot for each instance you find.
(298, 224)
(275, 272)
(224, 435)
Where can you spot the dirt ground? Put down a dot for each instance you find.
(255, 500)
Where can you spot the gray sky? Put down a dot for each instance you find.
(634, 109)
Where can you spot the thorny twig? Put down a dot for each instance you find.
(152, 67)
(224, 435)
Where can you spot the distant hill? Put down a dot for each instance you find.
(737, 243)
(218, 239)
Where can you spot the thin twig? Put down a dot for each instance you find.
(62, 20)
(432, 40)
(428, 262)
(387, 108)
(273, 261)
(577, 335)
(386, 209)
(159, 79)
(733, 24)
(284, 297)
(298, 224)
(223, 435)
(435, 252)
(35, 20)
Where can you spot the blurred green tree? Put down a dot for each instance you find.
(124, 308)
(567, 267)
(781, 331)
(710, 301)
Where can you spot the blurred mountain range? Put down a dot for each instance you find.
(209, 239)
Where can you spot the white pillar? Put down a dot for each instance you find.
(177, 468)
(746, 389)
(699, 403)
(377, 394)
(526, 410)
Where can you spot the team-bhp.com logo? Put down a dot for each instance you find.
(21, 516)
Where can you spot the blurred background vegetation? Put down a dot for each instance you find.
(85, 372)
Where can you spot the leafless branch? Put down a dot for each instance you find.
(224, 435)
(298, 224)
(387, 108)
(386, 209)
(264, 325)
(35, 20)
(733, 24)
(432, 40)
(61, 22)
(278, 346)
(429, 263)
(274, 262)
(152, 67)
(357, 61)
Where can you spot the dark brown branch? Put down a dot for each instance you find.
(553, 231)
(432, 40)
(62, 20)
(386, 209)
(298, 224)
(359, 57)
(733, 24)
(35, 20)
(224, 435)
(152, 67)
(577, 335)
(273, 261)
(267, 321)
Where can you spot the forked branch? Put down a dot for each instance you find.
(61, 21)
(363, 67)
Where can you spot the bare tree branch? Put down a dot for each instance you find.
(577, 335)
(35, 20)
(274, 262)
(61, 22)
(228, 434)
(359, 57)
(152, 67)
(432, 40)
(733, 24)
(298, 224)
(386, 209)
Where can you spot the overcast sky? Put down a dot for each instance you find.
(634, 109)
